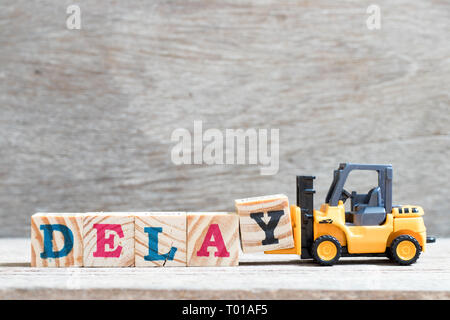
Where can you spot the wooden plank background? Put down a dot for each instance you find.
(86, 115)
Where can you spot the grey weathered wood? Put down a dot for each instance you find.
(257, 276)
(86, 115)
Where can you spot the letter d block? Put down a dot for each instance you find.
(108, 239)
(265, 223)
(56, 240)
(213, 239)
(160, 239)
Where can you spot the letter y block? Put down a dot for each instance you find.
(265, 223)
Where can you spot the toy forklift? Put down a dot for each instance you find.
(372, 228)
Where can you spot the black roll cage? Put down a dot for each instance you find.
(340, 177)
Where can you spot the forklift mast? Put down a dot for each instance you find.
(305, 201)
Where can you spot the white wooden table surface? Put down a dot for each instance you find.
(257, 277)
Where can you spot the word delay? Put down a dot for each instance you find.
(160, 239)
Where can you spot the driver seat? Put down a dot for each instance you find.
(368, 210)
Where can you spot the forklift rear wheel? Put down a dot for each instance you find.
(389, 254)
(326, 250)
(405, 250)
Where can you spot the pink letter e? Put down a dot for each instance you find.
(102, 241)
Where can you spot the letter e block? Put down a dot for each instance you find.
(265, 223)
(108, 239)
(56, 240)
(213, 239)
(160, 239)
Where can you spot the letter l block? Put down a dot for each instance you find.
(160, 239)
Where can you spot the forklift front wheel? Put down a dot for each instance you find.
(326, 250)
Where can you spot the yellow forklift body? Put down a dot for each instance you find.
(330, 220)
(373, 226)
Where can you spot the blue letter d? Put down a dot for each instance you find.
(48, 237)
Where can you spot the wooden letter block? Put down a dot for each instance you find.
(160, 239)
(56, 240)
(108, 239)
(265, 223)
(213, 239)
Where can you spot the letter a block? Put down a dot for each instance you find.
(56, 240)
(213, 239)
(160, 239)
(108, 239)
(265, 223)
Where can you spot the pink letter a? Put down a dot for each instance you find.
(213, 231)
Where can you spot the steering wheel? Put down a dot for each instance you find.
(345, 195)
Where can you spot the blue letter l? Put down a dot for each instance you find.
(153, 246)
